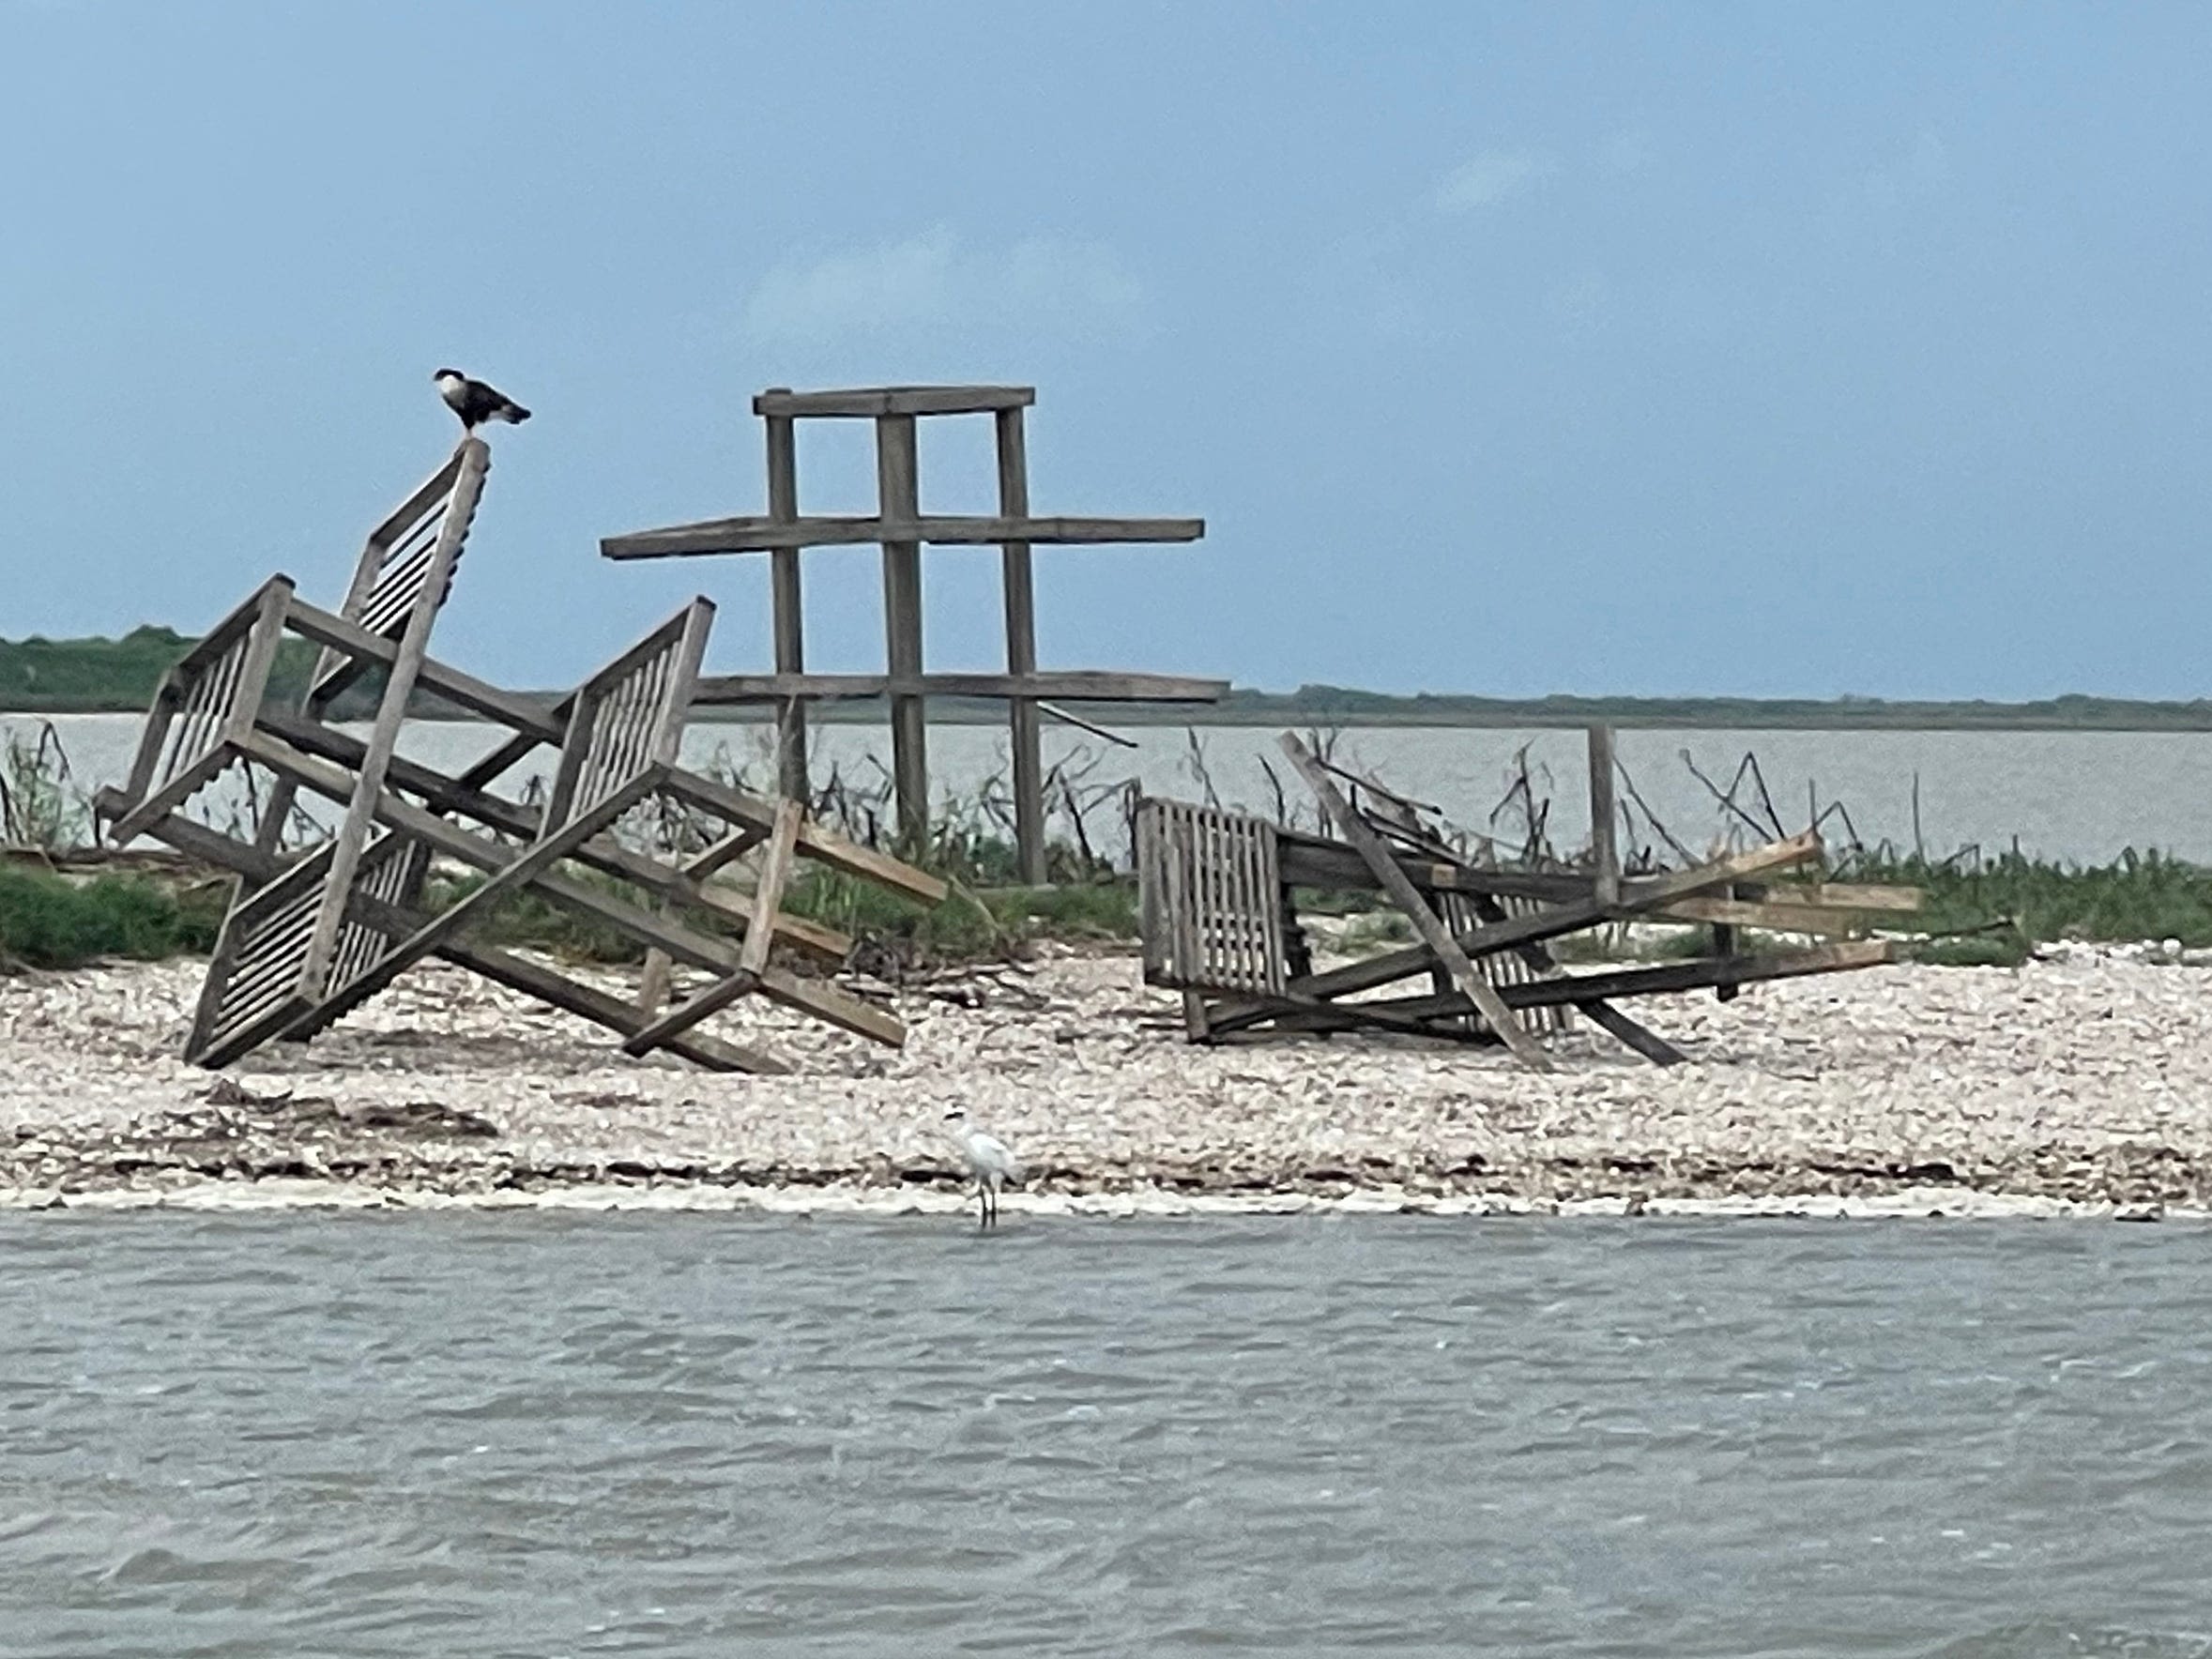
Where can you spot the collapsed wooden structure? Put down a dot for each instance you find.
(314, 931)
(901, 529)
(1221, 924)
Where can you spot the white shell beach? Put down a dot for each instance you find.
(2081, 1082)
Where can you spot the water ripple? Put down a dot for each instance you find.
(680, 1434)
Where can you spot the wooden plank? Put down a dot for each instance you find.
(786, 607)
(1308, 861)
(1020, 598)
(1650, 894)
(590, 1003)
(502, 707)
(335, 671)
(1605, 852)
(1776, 918)
(482, 853)
(820, 1000)
(1055, 685)
(868, 402)
(518, 872)
(1407, 898)
(1411, 1015)
(756, 533)
(1620, 1027)
(1631, 1033)
(767, 892)
(898, 486)
(302, 738)
(1841, 896)
(1707, 974)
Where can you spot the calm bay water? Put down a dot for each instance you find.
(302, 1434)
(2068, 795)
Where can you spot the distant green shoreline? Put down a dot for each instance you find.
(118, 676)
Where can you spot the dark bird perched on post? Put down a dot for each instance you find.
(476, 403)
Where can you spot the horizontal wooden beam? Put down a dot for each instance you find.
(545, 722)
(1413, 1014)
(1774, 917)
(1636, 898)
(1072, 686)
(753, 534)
(865, 402)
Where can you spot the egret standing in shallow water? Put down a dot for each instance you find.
(989, 1160)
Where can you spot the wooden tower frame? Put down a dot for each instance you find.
(901, 530)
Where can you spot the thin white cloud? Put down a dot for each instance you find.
(1491, 177)
(934, 279)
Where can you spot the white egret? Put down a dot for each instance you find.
(990, 1161)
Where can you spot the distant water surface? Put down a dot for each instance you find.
(2067, 794)
(518, 1435)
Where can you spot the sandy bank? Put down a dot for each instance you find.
(2081, 1082)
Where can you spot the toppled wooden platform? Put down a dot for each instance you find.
(1221, 925)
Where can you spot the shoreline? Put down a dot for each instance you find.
(280, 1193)
(2080, 1085)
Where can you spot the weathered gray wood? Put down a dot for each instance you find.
(1605, 851)
(898, 487)
(767, 892)
(1631, 1033)
(1210, 899)
(1414, 1015)
(684, 944)
(1638, 896)
(1052, 685)
(500, 966)
(1433, 933)
(1020, 598)
(377, 596)
(502, 707)
(1804, 907)
(789, 613)
(1724, 944)
(1708, 973)
(868, 402)
(753, 533)
(298, 738)
(767, 897)
(1774, 917)
(589, 1002)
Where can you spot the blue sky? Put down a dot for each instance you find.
(1511, 348)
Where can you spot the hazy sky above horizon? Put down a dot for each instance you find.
(1736, 349)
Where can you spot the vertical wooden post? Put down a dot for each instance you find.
(1605, 851)
(790, 624)
(1021, 651)
(899, 500)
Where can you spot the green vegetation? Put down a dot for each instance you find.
(38, 805)
(109, 676)
(47, 921)
(87, 675)
(2005, 904)
(970, 925)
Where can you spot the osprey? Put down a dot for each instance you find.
(476, 403)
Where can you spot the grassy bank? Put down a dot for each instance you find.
(47, 921)
(1991, 912)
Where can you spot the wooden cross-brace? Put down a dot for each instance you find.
(1433, 933)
